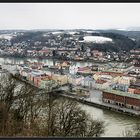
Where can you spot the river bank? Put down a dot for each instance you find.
(94, 101)
(116, 123)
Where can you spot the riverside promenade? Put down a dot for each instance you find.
(95, 99)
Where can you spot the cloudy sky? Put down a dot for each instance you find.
(69, 15)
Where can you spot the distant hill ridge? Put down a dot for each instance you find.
(121, 39)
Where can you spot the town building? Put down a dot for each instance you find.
(122, 99)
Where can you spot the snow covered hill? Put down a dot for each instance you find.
(6, 36)
(97, 39)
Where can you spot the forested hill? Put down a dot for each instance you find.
(121, 40)
(130, 34)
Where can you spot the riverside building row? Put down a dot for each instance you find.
(117, 85)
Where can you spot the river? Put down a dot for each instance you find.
(45, 61)
(115, 123)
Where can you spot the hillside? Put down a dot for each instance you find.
(104, 40)
(119, 42)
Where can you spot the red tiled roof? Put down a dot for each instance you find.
(112, 73)
(99, 81)
(83, 68)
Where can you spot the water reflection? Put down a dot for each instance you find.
(45, 61)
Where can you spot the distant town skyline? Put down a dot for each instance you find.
(94, 16)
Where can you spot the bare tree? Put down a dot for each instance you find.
(27, 111)
(19, 105)
(68, 119)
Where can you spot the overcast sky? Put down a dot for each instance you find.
(69, 15)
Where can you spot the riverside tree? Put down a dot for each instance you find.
(66, 118)
(28, 111)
